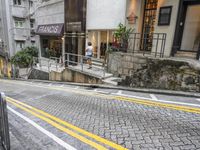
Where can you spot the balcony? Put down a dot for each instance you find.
(19, 11)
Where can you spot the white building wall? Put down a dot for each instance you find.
(49, 12)
(105, 14)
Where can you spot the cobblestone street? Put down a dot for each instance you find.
(126, 123)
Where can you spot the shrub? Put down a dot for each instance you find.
(24, 58)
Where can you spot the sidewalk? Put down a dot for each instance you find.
(143, 90)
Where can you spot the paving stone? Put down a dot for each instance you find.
(128, 124)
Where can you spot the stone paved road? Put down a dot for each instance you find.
(131, 125)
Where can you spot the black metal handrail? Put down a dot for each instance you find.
(4, 128)
(147, 44)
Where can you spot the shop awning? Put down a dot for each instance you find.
(50, 29)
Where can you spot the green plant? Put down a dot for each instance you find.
(122, 35)
(24, 58)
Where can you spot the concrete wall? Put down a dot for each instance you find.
(50, 12)
(136, 7)
(69, 75)
(105, 14)
(121, 64)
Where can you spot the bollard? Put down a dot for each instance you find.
(4, 128)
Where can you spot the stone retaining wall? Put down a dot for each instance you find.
(143, 72)
(70, 75)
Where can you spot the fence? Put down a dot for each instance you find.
(150, 44)
(51, 64)
(4, 129)
(146, 44)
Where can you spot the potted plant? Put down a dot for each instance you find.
(121, 37)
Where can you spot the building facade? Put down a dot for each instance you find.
(50, 28)
(162, 28)
(21, 24)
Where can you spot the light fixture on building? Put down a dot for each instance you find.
(132, 18)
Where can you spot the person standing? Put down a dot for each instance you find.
(89, 53)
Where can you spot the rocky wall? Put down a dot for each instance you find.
(166, 73)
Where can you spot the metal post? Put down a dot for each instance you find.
(67, 60)
(4, 132)
(48, 65)
(81, 63)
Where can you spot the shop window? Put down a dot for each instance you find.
(20, 45)
(17, 2)
(101, 40)
(165, 15)
(19, 23)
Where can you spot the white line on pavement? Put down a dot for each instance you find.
(119, 92)
(164, 101)
(198, 99)
(76, 87)
(153, 97)
(95, 90)
(49, 134)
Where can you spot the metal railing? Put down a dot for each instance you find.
(48, 63)
(4, 128)
(146, 44)
(80, 62)
(74, 61)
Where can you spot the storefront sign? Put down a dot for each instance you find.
(51, 29)
(73, 26)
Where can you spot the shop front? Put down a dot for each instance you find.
(187, 35)
(101, 40)
(51, 40)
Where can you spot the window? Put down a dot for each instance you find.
(19, 23)
(165, 15)
(32, 22)
(19, 45)
(32, 43)
(17, 2)
(30, 3)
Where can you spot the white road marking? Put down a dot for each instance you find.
(164, 101)
(49, 134)
(153, 97)
(49, 84)
(119, 92)
(62, 85)
(198, 99)
(76, 87)
(131, 96)
(95, 90)
(103, 92)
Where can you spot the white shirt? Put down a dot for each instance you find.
(89, 51)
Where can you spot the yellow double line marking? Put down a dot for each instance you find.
(159, 104)
(59, 124)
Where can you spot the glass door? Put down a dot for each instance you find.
(191, 32)
(150, 10)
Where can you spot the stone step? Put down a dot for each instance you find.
(112, 81)
(186, 54)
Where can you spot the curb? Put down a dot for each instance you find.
(142, 90)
